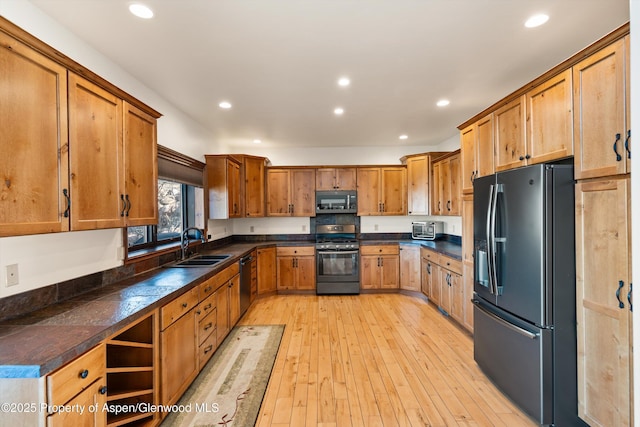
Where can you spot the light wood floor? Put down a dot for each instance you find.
(374, 360)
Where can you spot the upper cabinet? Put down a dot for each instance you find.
(509, 122)
(329, 179)
(291, 192)
(550, 120)
(419, 182)
(477, 151)
(34, 192)
(602, 132)
(446, 185)
(223, 184)
(382, 190)
(78, 153)
(235, 186)
(113, 169)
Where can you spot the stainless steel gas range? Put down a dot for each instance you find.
(337, 259)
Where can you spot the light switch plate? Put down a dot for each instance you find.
(12, 275)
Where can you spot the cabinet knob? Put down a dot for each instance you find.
(184, 305)
(521, 158)
(84, 373)
(103, 390)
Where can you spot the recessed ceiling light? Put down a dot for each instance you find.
(141, 11)
(225, 104)
(403, 137)
(257, 141)
(442, 103)
(338, 111)
(536, 20)
(344, 81)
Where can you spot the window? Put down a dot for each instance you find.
(180, 204)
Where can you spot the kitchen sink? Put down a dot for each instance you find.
(200, 261)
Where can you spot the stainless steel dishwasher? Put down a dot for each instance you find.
(245, 282)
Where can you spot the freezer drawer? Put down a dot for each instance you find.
(517, 357)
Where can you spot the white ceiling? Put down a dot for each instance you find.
(277, 61)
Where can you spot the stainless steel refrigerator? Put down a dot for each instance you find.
(524, 289)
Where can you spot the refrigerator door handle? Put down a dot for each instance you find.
(497, 288)
(511, 326)
(489, 240)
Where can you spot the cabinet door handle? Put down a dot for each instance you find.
(208, 349)
(528, 156)
(629, 296)
(615, 147)
(65, 192)
(184, 305)
(124, 205)
(620, 285)
(626, 144)
(208, 326)
(429, 269)
(126, 198)
(448, 205)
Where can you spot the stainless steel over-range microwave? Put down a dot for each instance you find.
(427, 230)
(336, 201)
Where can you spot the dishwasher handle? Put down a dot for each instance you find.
(246, 260)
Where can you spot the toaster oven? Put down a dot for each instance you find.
(427, 230)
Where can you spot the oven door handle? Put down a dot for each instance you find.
(337, 252)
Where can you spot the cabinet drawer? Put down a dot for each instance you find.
(206, 307)
(208, 287)
(430, 255)
(176, 308)
(451, 264)
(295, 251)
(206, 326)
(206, 350)
(76, 376)
(219, 279)
(380, 250)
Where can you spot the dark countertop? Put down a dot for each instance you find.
(445, 247)
(36, 344)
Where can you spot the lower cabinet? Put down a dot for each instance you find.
(442, 283)
(380, 267)
(296, 268)
(410, 267)
(80, 382)
(178, 346)
(266, 270)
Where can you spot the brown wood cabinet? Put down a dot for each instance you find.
(446, 183)
(291, 192)
(467, 259)
(252, 186)
(419, 182)
(329, 179)
(132, 360)
(380, 267)
(510, 134)
(296, 268)
(78, 153)
(601, 112)
(34, 159)
(604, 321)
(430, 279)
(477, 152)
(382, 190)
(550, 120)
(113, 179)
(223, 185)
(410, 267)
(179, 345)
(267, 278)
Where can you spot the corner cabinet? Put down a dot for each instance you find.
(410, 267)
(419, 182)
(266, 270)
(291, 192)
(446, 185)
(382, 190)
(477, 152)
(223, 185)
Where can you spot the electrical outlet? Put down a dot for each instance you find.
(375, 227)
(12, 275)
(252, 229)
(304, 228)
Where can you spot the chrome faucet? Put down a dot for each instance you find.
(184, 239)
